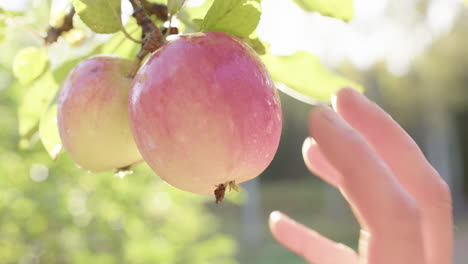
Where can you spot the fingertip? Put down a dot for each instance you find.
(321, 120)
(316, 111)
(348, 97)
(308, 142)
(317, 163)
(333, 99)
(343, 93)
(307, 243)
(275, 217)
(280, 225)
(317, 114)
(347, 91)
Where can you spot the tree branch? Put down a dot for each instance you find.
(152, 36)
(54, 33)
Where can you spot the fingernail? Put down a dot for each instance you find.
(355, 95)
(334, 119)
(308, 142)
(333, 101)
(275, 216)
(328, 114)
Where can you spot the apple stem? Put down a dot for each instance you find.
(53, 33)
(136, 64)
(12, 19)
(122, 27)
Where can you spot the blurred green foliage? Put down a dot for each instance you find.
(52, 211)
(294, 71)
(57, 213)
(29, 64)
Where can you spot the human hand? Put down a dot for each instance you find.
(399, 199)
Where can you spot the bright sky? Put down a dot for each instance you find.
(14, 5)
(382, 29)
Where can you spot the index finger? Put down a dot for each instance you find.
(409, 165)
(381, 205)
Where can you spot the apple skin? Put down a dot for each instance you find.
(93, 114)
(204, 111)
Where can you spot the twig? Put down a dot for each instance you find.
(24, 27)
(159, 10)
(54, 33)
(152, 36)
(122, 28)
(121, 41)
(170, 26)
(143, 20)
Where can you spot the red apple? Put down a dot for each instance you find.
(204, 112)
(93, 114)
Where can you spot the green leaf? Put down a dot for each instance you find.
(35, 102)
(120, 45)
(102, 16)
(175, 5)
(29, 64)
(256, 44)
(236, 17)
(306, 79)
(198, 22)
(191, 18)
(342, 9)
(48, 131)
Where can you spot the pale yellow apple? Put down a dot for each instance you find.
(93, 114)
